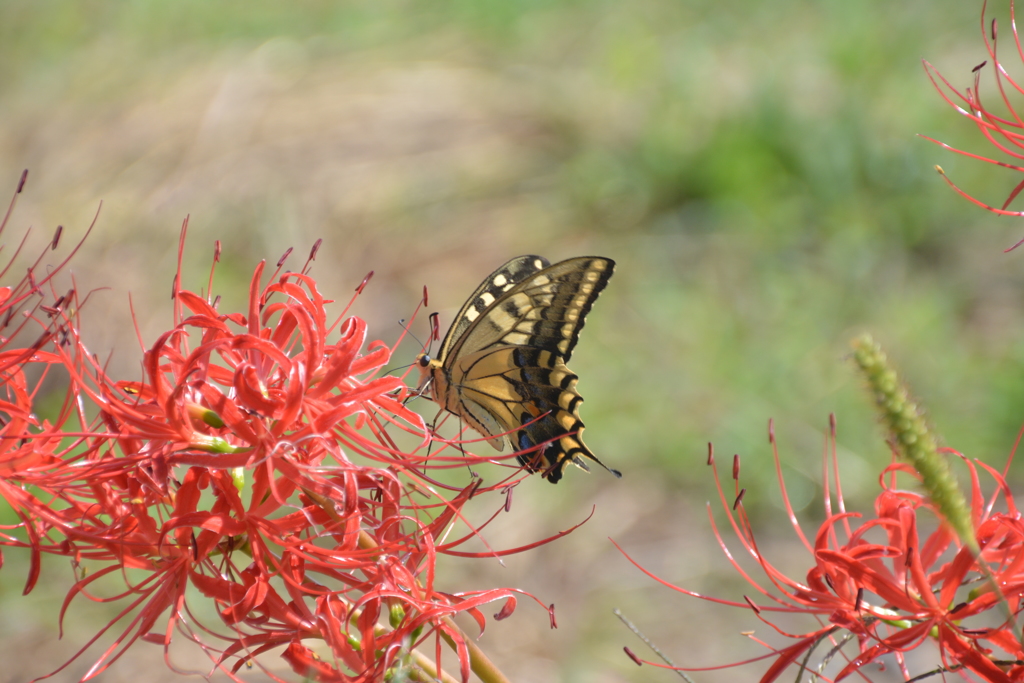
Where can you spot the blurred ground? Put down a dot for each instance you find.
(753, 171)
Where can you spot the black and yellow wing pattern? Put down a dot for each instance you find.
(502, 365)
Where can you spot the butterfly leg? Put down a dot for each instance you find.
(462, 430)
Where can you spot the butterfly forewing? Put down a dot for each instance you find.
(490, 290)
(502, 364)
(547, 310)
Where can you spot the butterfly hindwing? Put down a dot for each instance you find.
(503, 368)
(549, 415)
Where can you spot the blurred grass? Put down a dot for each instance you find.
(753, 170)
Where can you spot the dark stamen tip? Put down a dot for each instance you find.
(362, 285)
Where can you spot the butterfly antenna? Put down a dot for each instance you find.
(434, 334)
(401, 323)
(397, 368)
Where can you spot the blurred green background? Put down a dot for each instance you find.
(753, 169)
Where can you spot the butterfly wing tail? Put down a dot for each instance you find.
(551, 424)
(554, 456)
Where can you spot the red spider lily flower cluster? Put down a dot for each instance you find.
(32, 319)
(887, 584)
(1005, 131)
(251, 467)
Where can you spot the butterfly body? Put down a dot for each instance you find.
(502, 365)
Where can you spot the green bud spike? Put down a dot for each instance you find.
(913, 439)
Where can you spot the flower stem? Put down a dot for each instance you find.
(479, 662)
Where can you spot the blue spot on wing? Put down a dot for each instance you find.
(525, 441)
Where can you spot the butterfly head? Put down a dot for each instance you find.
(427, 366)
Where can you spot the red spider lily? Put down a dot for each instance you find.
(253, 467)
(887, 586)
(1004, 131)
(30, 321)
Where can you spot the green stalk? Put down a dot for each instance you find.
(914, 441)
(916, 444)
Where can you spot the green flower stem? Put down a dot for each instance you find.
(479, 663)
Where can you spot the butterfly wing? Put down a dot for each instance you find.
(546, 310)
(531, 394)
(490, 290)
(437, 371)
(502, 368)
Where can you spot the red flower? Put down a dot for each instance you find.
(253, 466)
(32, 319)
(1004, 131)
(893, 593)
